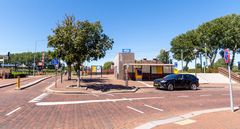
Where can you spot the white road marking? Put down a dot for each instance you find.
(205, 95)
(109, 94)
(127, 99)
(135, 109)
(145, 84)
(110, 100)
(183, 96)
(39, 98)
(185, 122)
(152, 124)
(13, 111)
(93, 101)
(153, 107)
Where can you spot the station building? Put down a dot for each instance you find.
(146, 70)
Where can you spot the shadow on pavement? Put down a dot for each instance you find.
(107, 87)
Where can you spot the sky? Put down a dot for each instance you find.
(144, 26)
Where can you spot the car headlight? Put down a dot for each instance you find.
(163, 81)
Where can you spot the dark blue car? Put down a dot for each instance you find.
(177, 81)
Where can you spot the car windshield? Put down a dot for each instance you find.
(171, 76)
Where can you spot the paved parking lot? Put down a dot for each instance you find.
(34, 108)
(109, 110)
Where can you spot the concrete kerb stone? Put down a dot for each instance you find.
(49, 90)
(155, 123)
(6, 85)
(33, 83)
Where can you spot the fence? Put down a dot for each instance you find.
(224, 72)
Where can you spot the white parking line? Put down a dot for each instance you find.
(39, 98)
(93, 101)
(153, 107)
(145, 84)
(135, 109)
(205, 95)
(183, 96)
(110, 100)
(127, 99)
(13, 111)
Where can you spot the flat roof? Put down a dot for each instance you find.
(145, 64)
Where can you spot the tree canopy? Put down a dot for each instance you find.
(163, 56)
(215, 35)
(107, 65)
(76, 41)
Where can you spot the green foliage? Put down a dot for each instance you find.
(220, 63)
(107, 65)
(16, 74)
(198, 66)
(27, 58)
(220, 33)
(77, 41)
(163, 56)
(185, 44)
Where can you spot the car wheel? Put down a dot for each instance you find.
(170, 87)
(193, 86)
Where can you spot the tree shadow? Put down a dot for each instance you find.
(108, 87)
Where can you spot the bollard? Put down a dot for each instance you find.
(18, 82)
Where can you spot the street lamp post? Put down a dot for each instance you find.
(195, 52)
(34, 59)
(182, 58)
(206, 63)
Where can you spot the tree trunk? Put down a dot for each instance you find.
(78, 78)
(186, 66)
(69, 71)
(212, 60)
(232, 61)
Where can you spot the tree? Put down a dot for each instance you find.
(79, 41)
(185, 44)
(163, 56)
(231, 27)
(62, 41)
(107, 65)
(221, 33)
(220, 63)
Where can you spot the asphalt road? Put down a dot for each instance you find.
(32, 108)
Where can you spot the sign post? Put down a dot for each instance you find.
(56, 64)
(227, 61)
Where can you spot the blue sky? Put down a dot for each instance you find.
(144, 26)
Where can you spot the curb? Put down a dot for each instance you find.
(33, 83)
(155, 123)
(49, 90)
(6, 85)
(9, 84)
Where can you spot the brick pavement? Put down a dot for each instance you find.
(96, 84)
(217, 120)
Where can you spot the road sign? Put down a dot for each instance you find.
(227, 60)
(175, 64)
(126, 50)
(55, 61)
(226, 56)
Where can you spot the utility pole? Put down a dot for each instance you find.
(206, 55)
(182, 58)
(34, 60)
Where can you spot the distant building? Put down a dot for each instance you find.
(139, 69)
